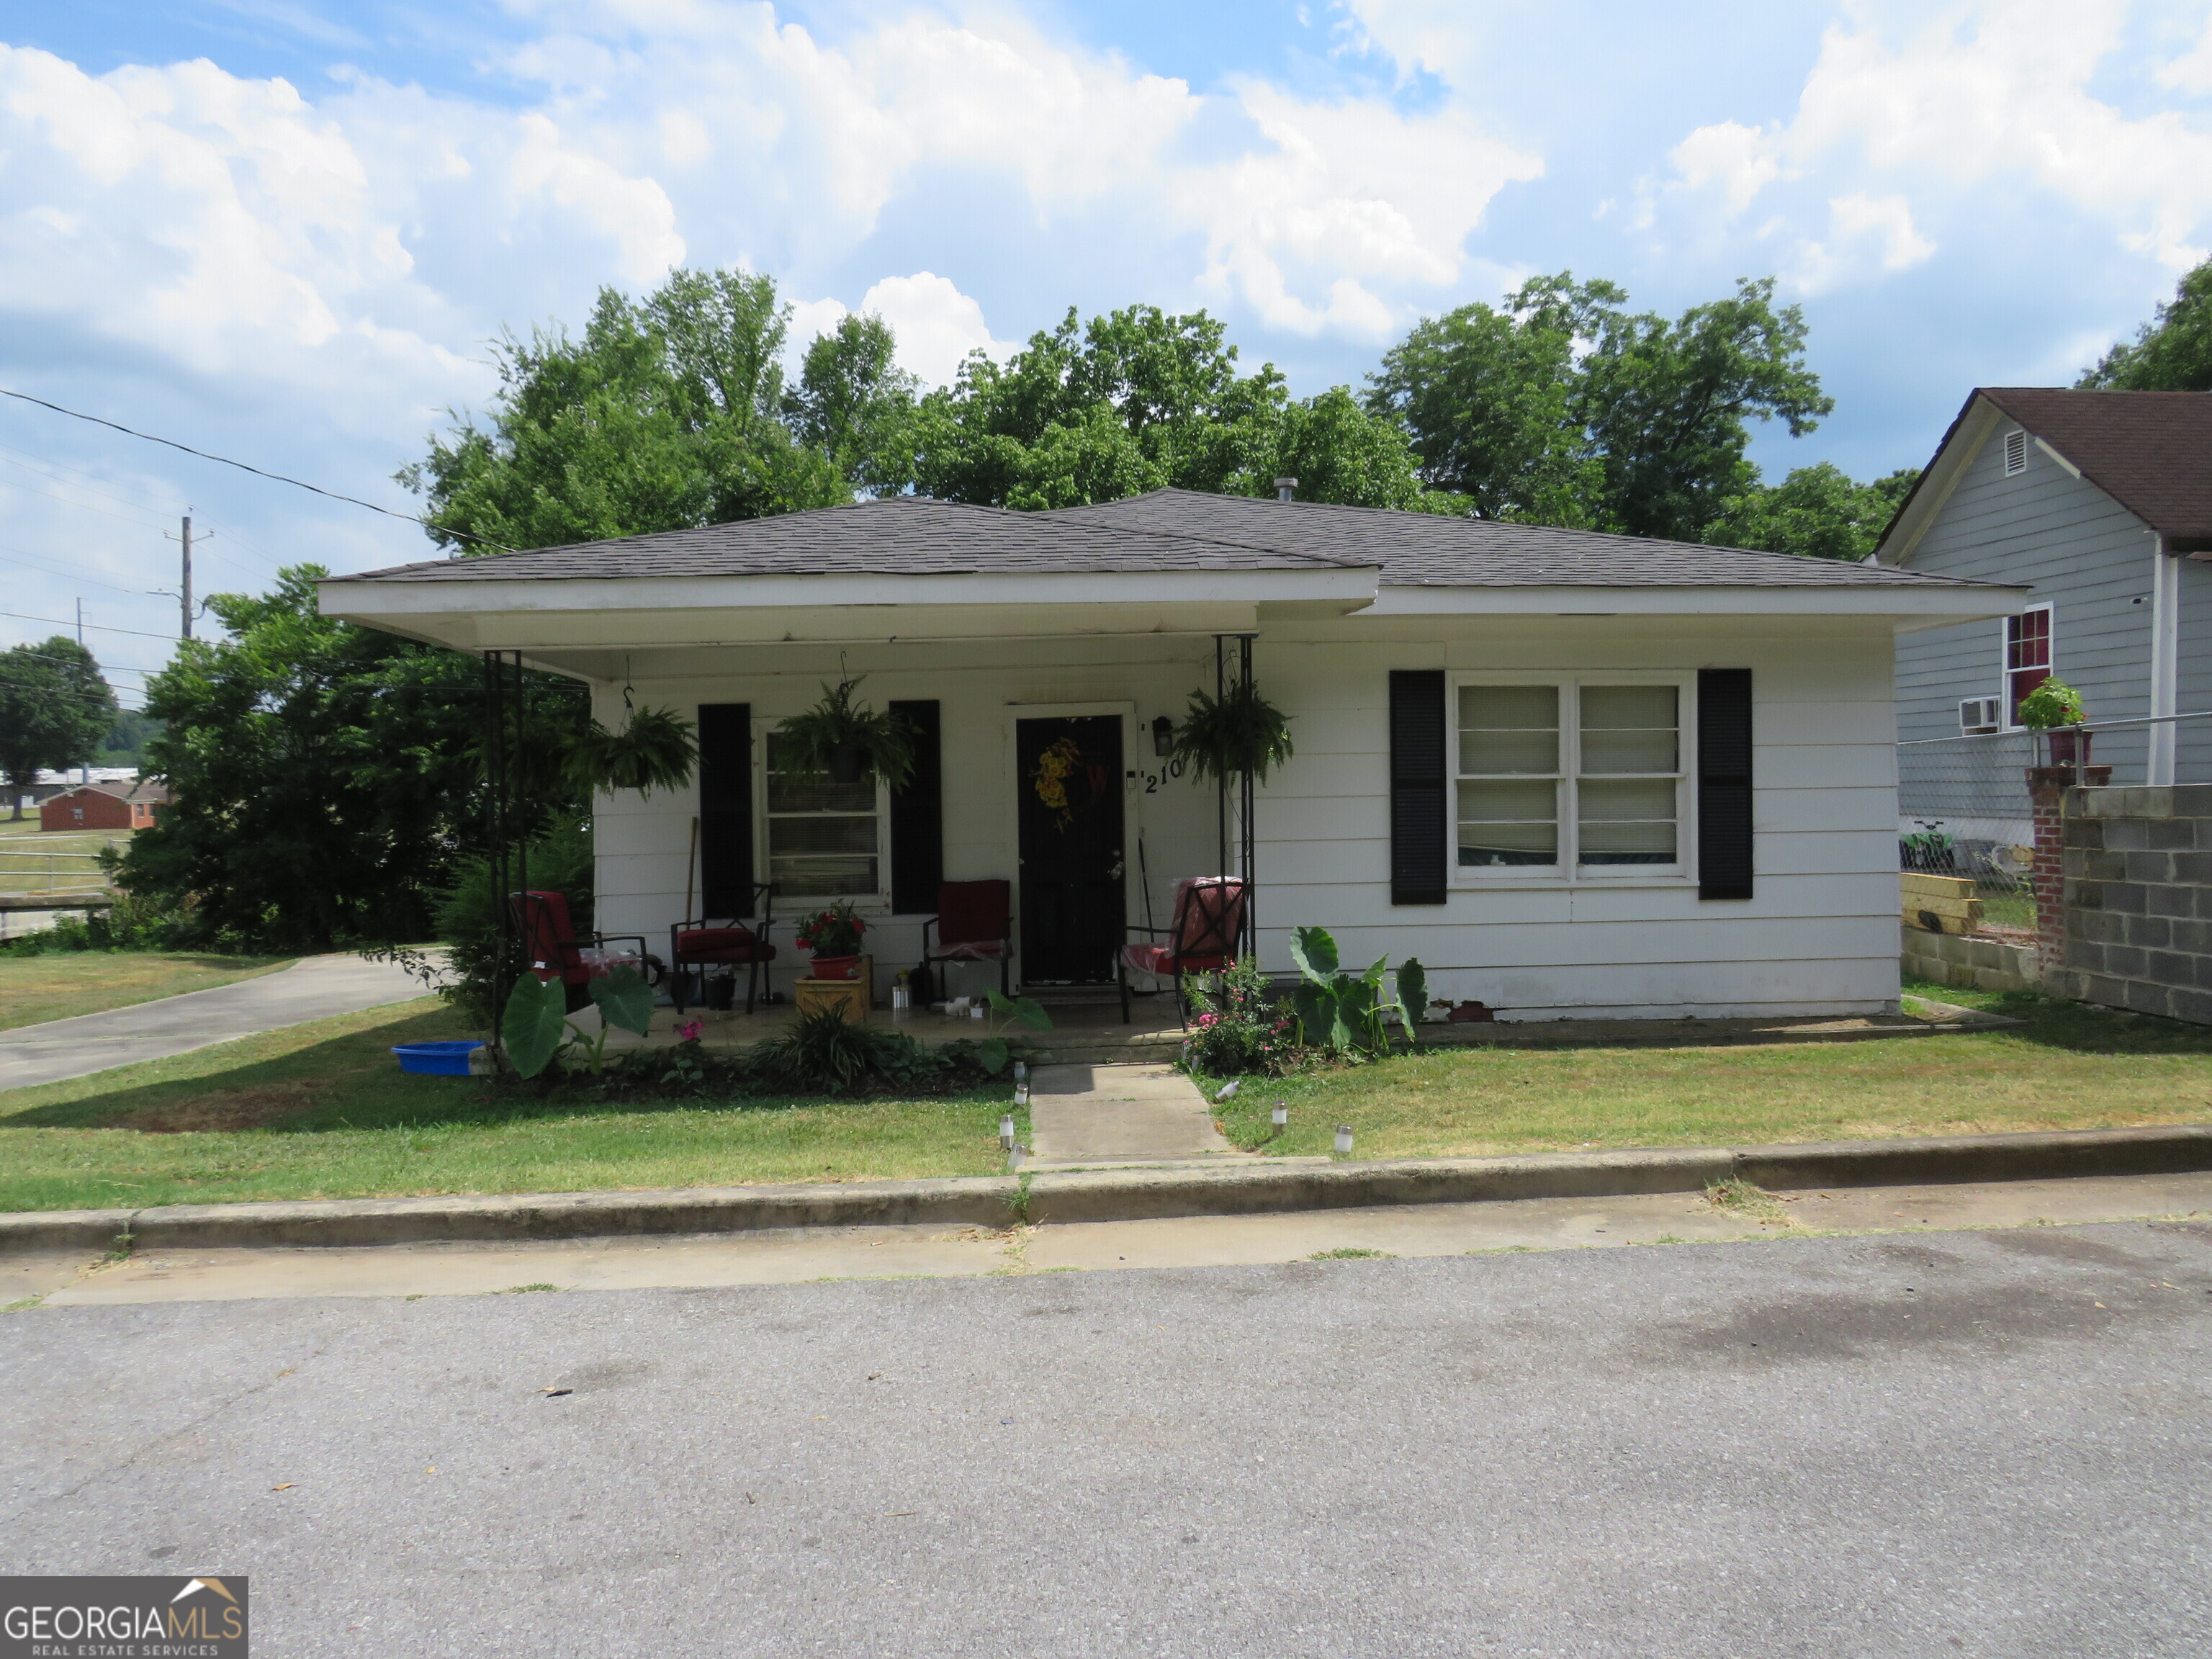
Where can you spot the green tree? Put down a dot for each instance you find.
(2172, 352)
(854, 404)
(55, 707)
(665, 415)
(326, 776)
(1817, 510)
(1488, 398)
(126, 740)
(1139, 399)
(1564, 408)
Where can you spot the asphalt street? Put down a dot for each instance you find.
(1984, 1443)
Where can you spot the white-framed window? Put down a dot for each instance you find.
(821, 839)
(2029, 645)
(2015, 453)
(1567, 777)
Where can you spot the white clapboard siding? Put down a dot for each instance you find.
(1818, 936)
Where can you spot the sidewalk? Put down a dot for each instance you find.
(314, 989)
(1086, 1117)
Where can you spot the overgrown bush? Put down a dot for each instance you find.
(468, 919)
(1239, 1027)
(131, 925)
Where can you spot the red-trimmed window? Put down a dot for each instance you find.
(2027, 656)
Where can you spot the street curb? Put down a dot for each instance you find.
(1128, 1194)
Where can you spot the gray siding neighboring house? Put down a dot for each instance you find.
(2102, 505)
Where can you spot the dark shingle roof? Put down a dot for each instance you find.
(901, 535)
(2149, 451)
(1426, 549)
(1169, 530)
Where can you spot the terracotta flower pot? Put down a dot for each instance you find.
(834, 967)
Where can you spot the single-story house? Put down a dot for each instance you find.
(128, 805)
(1574, 774)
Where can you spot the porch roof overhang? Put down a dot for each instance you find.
(552, 622)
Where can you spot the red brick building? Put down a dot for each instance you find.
(122, 806)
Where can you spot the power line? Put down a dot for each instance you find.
(98, 627)
(276, 478)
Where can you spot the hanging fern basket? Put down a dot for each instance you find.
(848, 740)
(1239, 731)
(656, 749)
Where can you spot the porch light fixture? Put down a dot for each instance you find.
(1343, 1137)
(1162, 736)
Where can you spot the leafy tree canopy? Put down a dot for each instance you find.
(666, 413)
(1139, 399)
(853, 404)
(326, 776)
(2172, 352)
(1817, 510)
(55, 707)
(1563, 407)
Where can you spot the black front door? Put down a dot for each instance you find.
(1069, 775)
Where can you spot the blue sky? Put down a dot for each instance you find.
(284, 229)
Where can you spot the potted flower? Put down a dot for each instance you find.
(1237, 732)
(849, 742)
(2051, 707)
(833, 936)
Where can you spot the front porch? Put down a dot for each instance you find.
(1087, 1030)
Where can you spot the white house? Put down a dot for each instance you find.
(1573, 773)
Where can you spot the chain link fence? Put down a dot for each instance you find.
(1963, 810)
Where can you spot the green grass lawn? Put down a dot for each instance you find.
(37, 989)
(323, 1110)
(2067, 1067)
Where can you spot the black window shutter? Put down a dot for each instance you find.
(918, 817)
(725, 810)
(1724, 783)
(1417, 873)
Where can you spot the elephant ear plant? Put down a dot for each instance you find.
(537, 1027)
(1345, 1012)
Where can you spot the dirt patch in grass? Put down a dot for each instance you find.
(221, 1110)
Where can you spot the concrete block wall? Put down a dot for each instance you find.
(2138, 910)
(1967, 962)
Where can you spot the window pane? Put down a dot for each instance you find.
(1509, 728)
(1626, 822)
(1629, 728)
(813, 792)
(1509, 823)
(821, 876)
(822, 835)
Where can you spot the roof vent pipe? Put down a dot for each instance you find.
(1285, 489)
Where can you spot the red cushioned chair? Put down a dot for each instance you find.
(974, 923)
(1209, 919)
(553, 949)
(693, 946)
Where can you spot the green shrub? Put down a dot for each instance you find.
(1238, 1027)
(132, 925)
(468, 920)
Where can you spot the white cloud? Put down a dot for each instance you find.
(935, 323)
(2192, 70)
(1933, 107)
(1864, 233)
(1739, 160)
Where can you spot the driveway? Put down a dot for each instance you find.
(316, 987)
(1980, 1443)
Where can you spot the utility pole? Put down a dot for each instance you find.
(185, 590)
(80, 622)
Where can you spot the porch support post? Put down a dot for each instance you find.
(1249, 853)
(495, 842)
(1221, 777)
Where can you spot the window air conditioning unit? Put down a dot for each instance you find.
(1977, 715)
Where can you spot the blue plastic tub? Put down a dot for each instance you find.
(436, 1059)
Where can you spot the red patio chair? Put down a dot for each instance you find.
(693, 946)
(1209, 919)
(974, 923)
(553, 949)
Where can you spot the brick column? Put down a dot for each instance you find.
(2046, 792)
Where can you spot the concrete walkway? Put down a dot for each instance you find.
(1092, 1117)
(316, 987)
